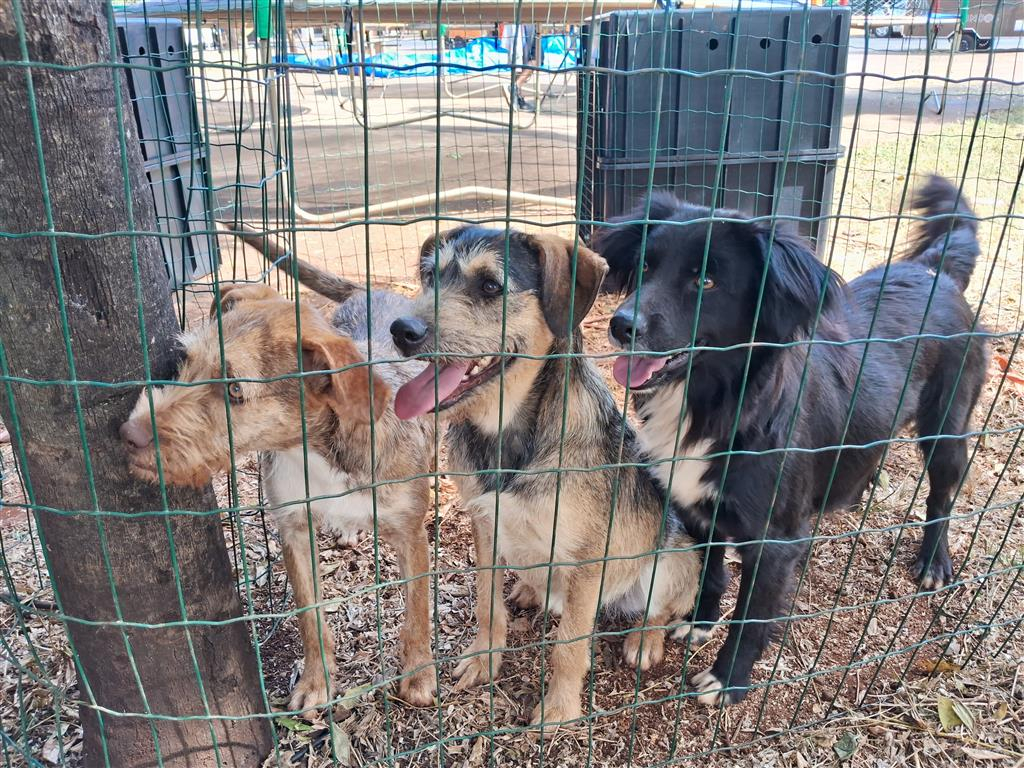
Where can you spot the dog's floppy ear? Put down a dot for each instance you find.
(557, 289)
(619, 241)
(348, 391)
(619, 245)
(231, 294)
(793, 285)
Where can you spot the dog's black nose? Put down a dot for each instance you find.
(409, 333)
(623, 323)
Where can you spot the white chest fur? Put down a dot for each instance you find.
(335, 507)
(679, 462)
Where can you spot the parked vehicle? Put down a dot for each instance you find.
(876, 8)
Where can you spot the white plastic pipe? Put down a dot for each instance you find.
(359, 212)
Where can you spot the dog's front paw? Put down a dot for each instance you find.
(480, 666)
(935, 574)
(698, 633)
(311, 692)
(713, 692)
(524, 597)
(557, 711)
(348, 539)
(419, 689)
(650, 655)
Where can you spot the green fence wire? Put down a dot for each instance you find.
(351, 132)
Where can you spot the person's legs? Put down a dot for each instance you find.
(523, 49)
(528, 41)
(530, 55)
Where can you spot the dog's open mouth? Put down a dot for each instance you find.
(454, 381)
(640, 373)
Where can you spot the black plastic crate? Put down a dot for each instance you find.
(760, 186)
(173, 151)
(711, 51)
(181, 190)
(758, 91)
(160, 89)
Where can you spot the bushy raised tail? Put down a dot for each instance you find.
(948, 239)
(274, 250)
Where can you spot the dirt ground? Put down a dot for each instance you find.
(867, 674)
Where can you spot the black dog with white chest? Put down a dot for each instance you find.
(761, 414)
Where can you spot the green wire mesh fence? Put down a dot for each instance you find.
(347, 134)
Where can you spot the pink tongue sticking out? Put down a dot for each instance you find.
(639, 372)
(416, 396)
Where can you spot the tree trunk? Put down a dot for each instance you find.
(102, 565)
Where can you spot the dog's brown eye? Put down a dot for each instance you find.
(491, 287)
(706, 283)
(235, 392)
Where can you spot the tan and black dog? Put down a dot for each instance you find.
(261, 346)
(551, 475)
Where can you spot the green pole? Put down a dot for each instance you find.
(965, 6)
(264, 25)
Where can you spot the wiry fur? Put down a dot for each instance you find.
(932, 385)
(553, 504)
(259, 334)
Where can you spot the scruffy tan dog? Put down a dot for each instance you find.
(259, 334)
(542, 457)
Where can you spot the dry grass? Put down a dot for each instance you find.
(870, 675)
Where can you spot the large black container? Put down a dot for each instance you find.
(758, 91)
(760, 186)
(172, 147)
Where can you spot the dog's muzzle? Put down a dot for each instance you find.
(409, 333)
(625, 327)
(136, 434)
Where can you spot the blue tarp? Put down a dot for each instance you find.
(558, 52)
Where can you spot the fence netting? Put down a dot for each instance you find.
(348, 133)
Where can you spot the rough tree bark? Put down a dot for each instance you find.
(78, 122)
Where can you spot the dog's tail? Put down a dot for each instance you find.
(274, 250)
(948, 238)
